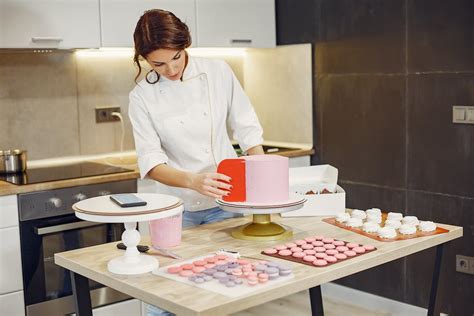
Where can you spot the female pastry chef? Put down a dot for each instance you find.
(179, 113)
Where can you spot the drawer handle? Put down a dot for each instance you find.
(241, 41)
(46, 39)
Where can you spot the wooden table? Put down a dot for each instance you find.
(182, 299)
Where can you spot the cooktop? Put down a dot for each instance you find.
(63, 172)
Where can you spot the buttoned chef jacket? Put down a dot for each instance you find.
(183, 123)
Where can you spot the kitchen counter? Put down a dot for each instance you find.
(127, 160)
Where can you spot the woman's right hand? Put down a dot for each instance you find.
(215, 185)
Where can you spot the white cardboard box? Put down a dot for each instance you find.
(316, 178)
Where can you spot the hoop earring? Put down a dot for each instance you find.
(156, 75)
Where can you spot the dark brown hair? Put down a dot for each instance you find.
(158, 29)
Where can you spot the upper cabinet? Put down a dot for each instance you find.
(236, 23)
(65, 24)
(119, 18)
(59, 24)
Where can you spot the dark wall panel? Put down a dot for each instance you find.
(440, 35)
(361, 36)
(440, 153)
(455, 289)
(363, 123)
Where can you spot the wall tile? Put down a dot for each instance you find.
(362, 123)
(104, 81)
(455, 289)
(440, 35)
(363, 197)
(38, 104)
(440, 153)
(361, 36)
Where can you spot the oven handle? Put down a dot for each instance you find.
(63, 227)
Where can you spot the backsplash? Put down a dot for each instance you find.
(47, 100)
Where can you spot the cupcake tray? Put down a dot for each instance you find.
(318, 243)
(332, 221)
(214, 284)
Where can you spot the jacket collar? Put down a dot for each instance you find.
(190, 71)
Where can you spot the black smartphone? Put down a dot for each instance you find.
(127, 200)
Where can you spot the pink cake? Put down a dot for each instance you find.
(257, 179)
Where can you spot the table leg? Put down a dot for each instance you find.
(82, 296)
(435, 279)
(316, 301)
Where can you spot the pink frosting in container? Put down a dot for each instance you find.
(166, 232)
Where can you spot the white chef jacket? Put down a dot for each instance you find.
(183, 123)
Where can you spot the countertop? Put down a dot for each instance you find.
(127, 160)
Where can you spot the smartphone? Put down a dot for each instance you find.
(127, 200)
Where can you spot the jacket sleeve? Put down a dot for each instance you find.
(241, 116)
(147, 141)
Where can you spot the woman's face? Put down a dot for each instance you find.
(168, 62)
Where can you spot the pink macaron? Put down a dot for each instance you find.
(270, 251)
(174, 270)
(319, 249)
(332, 252)
(338, 243)
(317, 243)
(350, 253)
(299, 254)
(369, 247)
(309, 252)
(358, 249)
(342, 248)
(307, 246)
(320, 262)
(296, 249)
(309, 258)
(310, 239)
(327, 240)
(352, 245)
(321, 255)
(300, 242)
(329, 246)
(330, 259)
(340, 256)
(285, 252)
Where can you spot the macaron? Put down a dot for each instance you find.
(317, 243)
(309, 252)
(330, 259)
(174, 270)
(340, 256)
(309, 258)
(310, 239)
(329, 246)
(352, 245)
(199, 263)
(270, 251)
(369, 247)
(290, 245)
(280, 247)
(342, 248)
(186, 273)
(187, 266)
(300, 242)
(327, 240)
(358, 249)
(321, 255)
(320, 262)
(338, 243)
(350, 253)
(331, 252)
(285, 252)
(298, 254)
(296, 249)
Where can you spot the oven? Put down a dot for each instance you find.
(47, 226)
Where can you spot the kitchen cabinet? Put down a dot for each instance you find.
(119, 18)
(10, 258)
(236, 23)
(12, 304)
(59, 24)
(297, 21)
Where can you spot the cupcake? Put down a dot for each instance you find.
(407, 229)
(395, 216)
(410, 220)
(354, 222)
(374, 211)
(342, 217)
(393, 223)
(370, 227)
(427, 226)
(360, 214)
(374, 218)
(387, 232)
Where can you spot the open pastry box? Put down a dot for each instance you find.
(319, 185)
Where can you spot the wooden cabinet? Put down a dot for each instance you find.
(119, 18)
(236, 23)
(49, 24)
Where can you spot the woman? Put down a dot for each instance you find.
(179, 114)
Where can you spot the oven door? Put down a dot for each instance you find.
(44, 281)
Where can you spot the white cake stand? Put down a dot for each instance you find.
(101, 209)
(262, 228)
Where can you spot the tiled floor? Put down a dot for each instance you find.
(298, 305)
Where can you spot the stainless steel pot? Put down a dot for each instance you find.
(12, 161)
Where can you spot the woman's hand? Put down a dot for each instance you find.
(215, 185)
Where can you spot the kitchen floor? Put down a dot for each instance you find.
(298, 305)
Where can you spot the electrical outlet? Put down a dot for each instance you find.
(465, 264)
(104, 114)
